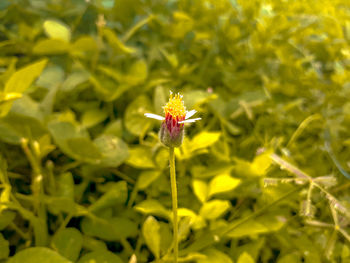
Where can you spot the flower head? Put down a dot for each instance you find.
(172, 129)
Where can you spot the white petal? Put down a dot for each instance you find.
(190, 113)
(154, 116)
(190, 120)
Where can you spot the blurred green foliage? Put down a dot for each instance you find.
(83, 177)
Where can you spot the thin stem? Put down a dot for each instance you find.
(174, 200)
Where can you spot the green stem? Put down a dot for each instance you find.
(174, 201)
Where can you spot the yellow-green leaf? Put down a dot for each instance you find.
(200, 189)
(18, 83)
(222, 183)
(150, 231)
(204, 140)
(57, 30)
(116, 43)
(245, 258)
(140, 157)
(24, 77)
(153, 207)
(214, 209)
(51, 46)
(214, 255)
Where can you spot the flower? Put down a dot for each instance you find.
(172, 130)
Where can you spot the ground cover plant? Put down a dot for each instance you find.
(262, 177)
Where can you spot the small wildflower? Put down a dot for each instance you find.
(172, 130)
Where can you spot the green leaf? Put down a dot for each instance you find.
(57, 30)
(153, 207)
(4, 248)
(65, 185)
(68, 242)
(113, 149)
(245, 258)
(38, 254)
(222, 183)
(197, 145)
(8, 134)
(15, 126)
(201, 172)
(214, 255)
(51, 47)
(20, 81)
(84, 44)
(75, 79)
(92, 117)
(261, 163)
(196, 222)
(194, 98)
(117, 194)
(50, 77)
(146, 178)
(6, 218)
(214, 209)
(137, 73)
(204, 140)
(150, 231)
(159, 99)
(261, 225)
(166, 237)
(289, 258)
(101, 256)
(107, 87)
(74, 142)
(114, 128)
(258, 167)
(140, 157)
(63, 200)
(200, 189)
(110, 229)
(134, 118)
(59, 204)
(83, 149)
(115, 42)
(93, 244)
(182, 24)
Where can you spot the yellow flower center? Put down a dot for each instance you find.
(175, 107)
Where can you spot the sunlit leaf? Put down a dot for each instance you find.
(116, 43)
(150, 231)
(140, 157)
(57, 30)
(152, 207)
(200, 188)
(214, 255)
(245, 258)
(222, 183)
(214, 209)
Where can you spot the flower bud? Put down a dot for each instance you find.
(171, 136)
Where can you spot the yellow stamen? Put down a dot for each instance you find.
(175, 107)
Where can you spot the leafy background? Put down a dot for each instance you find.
(261, 178)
